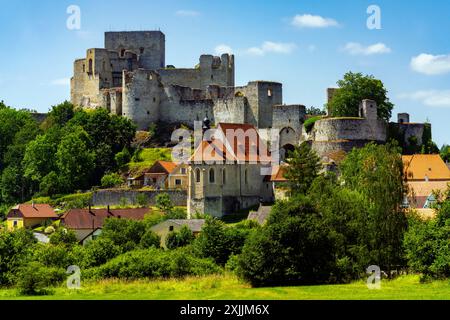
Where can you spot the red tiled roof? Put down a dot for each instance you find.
(34, 211)
(420, 166)
(224, 149)
(93, 219)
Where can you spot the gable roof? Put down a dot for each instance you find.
(195, 225)
(162, 167)
(223, 147)
(43, 211)
(95, 218)
(420, 166)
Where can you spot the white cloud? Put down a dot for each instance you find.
(430, 98)
(311, 21)
(223, 48)
(187, 13)
(430, 64)
(61, 82)
(271, 47)
(355, 48)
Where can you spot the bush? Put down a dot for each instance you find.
(150, 239)
(58, 256)
(179, 239)
(124, 233)
(110, 180)
(309, 123)
(99, 251)
(63, 236)
(122, 158)
(16, 249)
(36, 279)
(155, 263)
(176, 213)
(164, 203)
(142, 200)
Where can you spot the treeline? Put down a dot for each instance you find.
(71, 150)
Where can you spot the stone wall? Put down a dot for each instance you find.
(115, 197)
(148, 45)
(332, 129)
(412, 130)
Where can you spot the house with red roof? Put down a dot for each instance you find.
(29, 216)
(87, 223)
(162, 175)
(425, 174)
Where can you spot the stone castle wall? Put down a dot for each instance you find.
(332, 129)
(117, 197)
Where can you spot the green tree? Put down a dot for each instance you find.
(376, 173)
(60, 114)
(110, 180)
(74, 160)
(63, 236)
(164, 203)
(50, 185)
(445, 153)
(293, 248)
(304, 166)
(36, 279)
(124, 233)
(39, 158)
(354, 88)
(122, 157)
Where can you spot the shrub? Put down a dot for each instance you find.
(16, 249)
(58, 256)
(150, 239)
(110, 180)
(36, 279)
(124, 233)
(155, 263)
(49, 230)
(142, 200)
(164, 203)
(122, 158)
(63, 236)
(176, 213)
(309, 123)
(179, 239)
(99, 251)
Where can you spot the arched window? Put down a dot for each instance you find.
(212, 176)
(246, 176)
(90, 66)
(198, 176)
(224, 176)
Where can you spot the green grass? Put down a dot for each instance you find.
(228, 287)
(149, 156)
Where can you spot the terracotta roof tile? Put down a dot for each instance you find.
(420, 166)
(34, 211)
(93, 219)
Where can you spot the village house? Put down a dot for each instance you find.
(29, 216)
(425, 174)
(164, 228)
(88, 223)
(162, 175)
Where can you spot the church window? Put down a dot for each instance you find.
(212, 176)
(197, 175)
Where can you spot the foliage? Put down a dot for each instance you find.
(15, 250)
(354, 88)
(180, 238)
(313, 111)
(164, 203)
(99, 251)
(63, 236)
(110, 180)
(35, 278)
(155, 263)
(122, 158)
(445, 153)
(309, 123)
(293, 248)
(124, 233)
(304, 165)
(150, 239)
(427, 244)
(376, 173)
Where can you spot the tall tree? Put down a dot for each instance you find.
(376, 172)
(354, 88)
(304, 166)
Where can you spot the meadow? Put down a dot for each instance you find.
(229, 287)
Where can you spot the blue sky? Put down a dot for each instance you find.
(307, 45)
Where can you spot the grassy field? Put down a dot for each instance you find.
(228, 287)
(149, 156)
